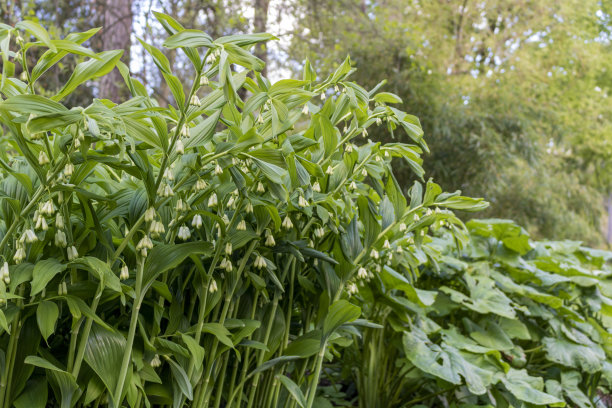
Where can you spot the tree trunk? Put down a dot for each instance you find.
(260, 23)
(116, 32)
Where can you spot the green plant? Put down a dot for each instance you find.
(249, 246)
(198, 253)
(501, 321)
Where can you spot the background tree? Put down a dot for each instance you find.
(116, 35)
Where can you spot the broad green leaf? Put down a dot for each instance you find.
(35, 394)
(339, 313)
(293, 389)
(37, 31)
(189, 38)
(104, 354)
(165, 257)
(44, 271)
(46, 316)
(529, 389)
(179, 375)
(91, 69)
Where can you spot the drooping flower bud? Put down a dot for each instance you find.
(59, 221)
(60, 239)
(196, 222)
(269, 239)
(204, 80)
(374, 254)
(387, 245)
(403, 227)
(43, 158)
(156, 362)
(125, 273)
(319, 232)
(287, 224)
(249, 208)
(29, 236)
(213, 286)
(149, 214)
(212, 200)
(260, 262)
(180, 148)
(185, 131)
(168, 174)
(362, 273)
(352, 289)
(305, 109)
(241, 226)
(218, 169)
(180, 206)
(68, 169)
(228, 249)
(184, 233)
(329, 171)
(316, 187)
(260, 187)
(194, 101)
(165, 190)
(5, 273)
(302, 201)
(20, 255)
(157, 228)
(200, 185)
(72, 253)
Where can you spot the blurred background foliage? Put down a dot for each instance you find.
(513, 95)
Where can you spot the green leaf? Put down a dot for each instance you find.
(104, 354)
(220, 332)
(100, 269)
(37, 31)
(293, 389)
(36, 104)
(586, 357)
(195, 349)
(164, 257)
(445, 362)
(189, 38)
(46, 317)
(44, 271)
(179, 375)
(91, 69)
(339, 313)
(34, 395)
(529, 389)
(387, 97)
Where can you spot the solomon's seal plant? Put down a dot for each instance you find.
(227, 249)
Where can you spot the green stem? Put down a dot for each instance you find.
(5, 382)
(85, 336)
(261, 352)
(127, 354)
(317, 372)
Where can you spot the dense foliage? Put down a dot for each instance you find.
(250, 246)
(514, 95)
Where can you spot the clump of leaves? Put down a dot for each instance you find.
(201, 254)
(503, 321)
